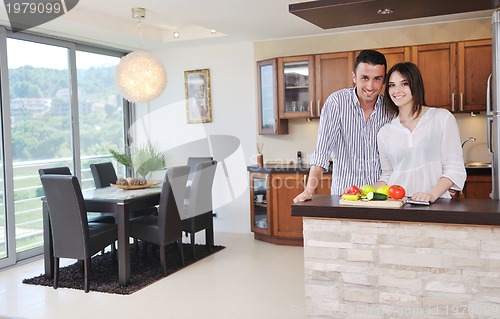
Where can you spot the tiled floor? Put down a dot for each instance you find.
(248, 279)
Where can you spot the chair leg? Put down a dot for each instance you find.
(86, 276)
(181, 251)
(162, 259)
(192, 245)
(56, 272)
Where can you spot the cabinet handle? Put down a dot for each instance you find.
(453, 102)
(305, 181)
(318, 108)
(311, 108)
(461, 101)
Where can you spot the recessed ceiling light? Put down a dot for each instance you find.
(385, 11)
(176, 34)
(213, 31)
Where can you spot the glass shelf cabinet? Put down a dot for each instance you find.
(296, 87)
(269, 121)
(259, 203)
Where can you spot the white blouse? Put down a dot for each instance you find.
(417, 160)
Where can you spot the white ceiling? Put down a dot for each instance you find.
(110, 22)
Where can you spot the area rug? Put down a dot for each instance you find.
(145, 269)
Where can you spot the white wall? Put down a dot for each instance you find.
(232, 80)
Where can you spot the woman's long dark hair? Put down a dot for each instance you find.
(411, 73)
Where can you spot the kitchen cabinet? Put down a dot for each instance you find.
(271, 219)
(259, 201)
(474, 59)
(477, 186)
(269, 121)
(455, 74)
(437, 64)
(296, 87)
(333, 72)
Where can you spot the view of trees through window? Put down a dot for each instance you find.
(42, 133)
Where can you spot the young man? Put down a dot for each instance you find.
(349, 123)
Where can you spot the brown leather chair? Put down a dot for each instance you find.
(166, 227)
(73, 236)
(198, 204)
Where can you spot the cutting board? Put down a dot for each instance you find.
(390, 203)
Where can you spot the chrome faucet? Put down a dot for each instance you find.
(468, 139)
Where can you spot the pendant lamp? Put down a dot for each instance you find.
(140, 76)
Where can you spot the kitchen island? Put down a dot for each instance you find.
(437, 261)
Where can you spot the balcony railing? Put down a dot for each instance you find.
(28, 192)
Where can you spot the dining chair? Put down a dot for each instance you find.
(64, 170)
(198, 205)
(166, 227)
(104, 174)
(73, 236)
(192, 162)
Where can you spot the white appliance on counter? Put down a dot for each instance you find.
(493, 107)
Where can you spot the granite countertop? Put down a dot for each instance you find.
(446, 211)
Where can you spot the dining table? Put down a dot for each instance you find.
(107, 200)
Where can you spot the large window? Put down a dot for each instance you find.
(63, 110)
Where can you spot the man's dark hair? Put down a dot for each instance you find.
(371, 57)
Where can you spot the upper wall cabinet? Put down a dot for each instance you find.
(269, 122)
(296, 87)
(474, 66)
(333, 72)
(455, 74)
(437, 64)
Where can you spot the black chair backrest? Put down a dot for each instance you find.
(62, 170)
(192, 162)
(68, 216)
(171, 202)
(200, 195)
(104, 174)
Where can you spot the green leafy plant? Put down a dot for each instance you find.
(143, 160)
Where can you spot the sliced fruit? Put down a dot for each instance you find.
(365, 189)
(383, 190)
(350, 196)
(376, 196)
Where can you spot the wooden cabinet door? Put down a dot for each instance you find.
(296, 87)
(478, 186)
(285, 187)
(333, 72)
(395, 55)
(437, 63)
(269, 123)
(325, 184)
(260, 205)
(474, 66)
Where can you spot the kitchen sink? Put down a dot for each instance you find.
(477, 165)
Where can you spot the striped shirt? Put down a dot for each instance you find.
(351, 141)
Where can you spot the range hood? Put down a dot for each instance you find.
(330, 14)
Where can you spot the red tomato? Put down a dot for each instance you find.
(353, 190)
(396, 192)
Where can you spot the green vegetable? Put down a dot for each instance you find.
(376, 196)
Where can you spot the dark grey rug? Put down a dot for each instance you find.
(144, 269)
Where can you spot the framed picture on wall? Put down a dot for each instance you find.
(198, 103)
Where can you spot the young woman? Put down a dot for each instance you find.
(420, 147)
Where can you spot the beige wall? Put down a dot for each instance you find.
(302, 134)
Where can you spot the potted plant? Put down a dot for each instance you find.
(143, 160)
